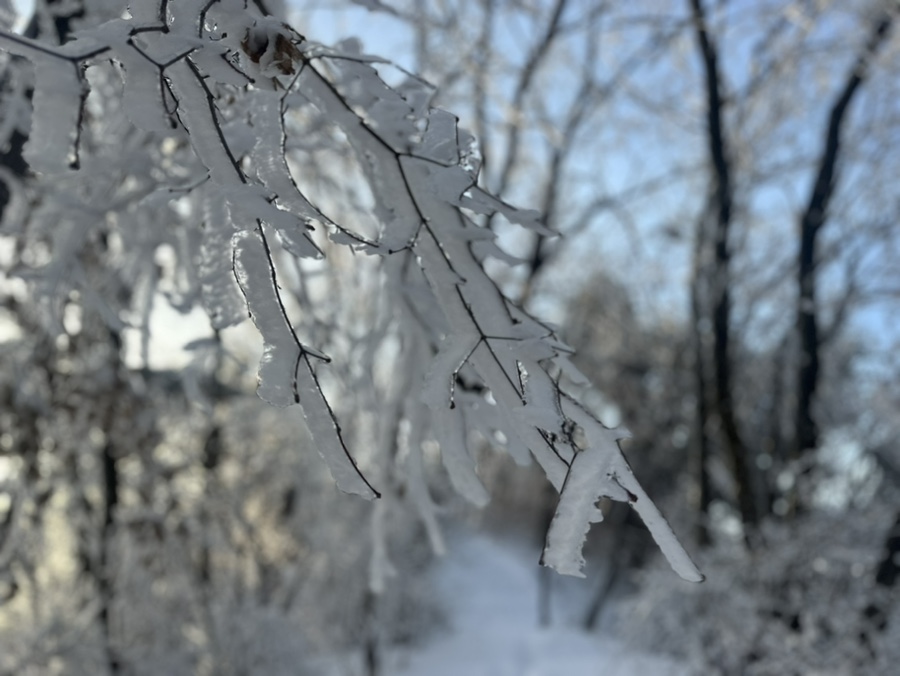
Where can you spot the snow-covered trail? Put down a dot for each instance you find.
(489, 591)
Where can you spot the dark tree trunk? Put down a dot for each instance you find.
(701, 441)
(806, 429)
(105, 590)
(545, 575)
(889, 569)
(371, 640)
(701, 452)
(721, 212)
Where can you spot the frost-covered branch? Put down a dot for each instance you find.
(226, 79)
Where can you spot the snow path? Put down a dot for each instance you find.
(489, 591)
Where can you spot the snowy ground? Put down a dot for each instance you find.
(489, 591)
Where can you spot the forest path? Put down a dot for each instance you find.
(488, 589)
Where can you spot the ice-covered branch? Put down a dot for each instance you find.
(225, 78)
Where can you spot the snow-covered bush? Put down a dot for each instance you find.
(806, 601)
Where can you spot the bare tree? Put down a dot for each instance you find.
(813, 219)
(714, 272)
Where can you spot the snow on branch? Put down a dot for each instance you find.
(225, 77)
